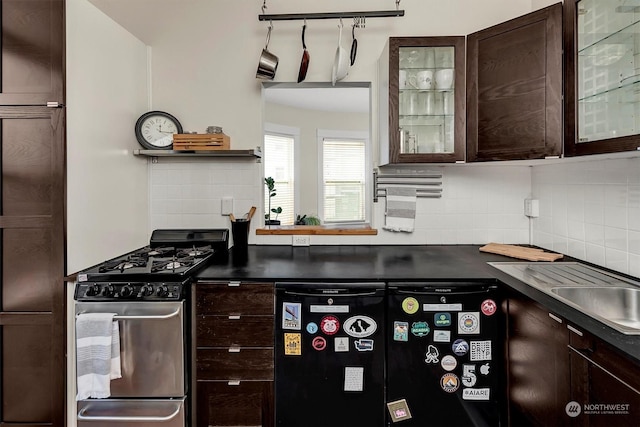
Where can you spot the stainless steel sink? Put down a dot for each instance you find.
(609, 298)
(620, 306)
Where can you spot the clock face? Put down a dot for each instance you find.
(155, 129)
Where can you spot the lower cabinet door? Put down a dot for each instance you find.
(239, 403)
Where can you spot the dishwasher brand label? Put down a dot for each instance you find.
(442, 307)
(291, 315)
(360, 326)
(469, 323)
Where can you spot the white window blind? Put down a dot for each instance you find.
(343, 178)
(279, 164)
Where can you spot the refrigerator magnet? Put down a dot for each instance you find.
(399, 410)
(360, 326)
(432, 355)
(488, 307)
(420, 329)
(410, 305)
(353, 378)
(341, 344)
(441, 336)
(292, 344)
(449, 382)
(291, 315)
(469, 323)
(400, 331)
(330, 325)
(319, 343)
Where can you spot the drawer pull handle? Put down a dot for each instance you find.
(235, 284)
(234, 317)
(234, 349)
(574, 330)
(556, 318)
(233, 383)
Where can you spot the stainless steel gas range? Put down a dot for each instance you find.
(146, 290)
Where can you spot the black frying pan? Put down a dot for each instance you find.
(304, 63)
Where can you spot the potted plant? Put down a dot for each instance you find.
(307, 220)
(271, 187)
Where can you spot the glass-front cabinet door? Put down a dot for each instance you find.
(604, 74)
(423, 105)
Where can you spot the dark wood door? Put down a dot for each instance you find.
(32, 204)
(538, 368)
(514, 88)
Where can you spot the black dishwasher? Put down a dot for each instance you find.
(445, 354)
(330, 352)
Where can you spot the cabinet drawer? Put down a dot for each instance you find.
(245, 404)
(245, 364)
(241, 331)
(247, 298)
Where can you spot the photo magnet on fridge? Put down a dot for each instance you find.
(399, 410)
(291, 315)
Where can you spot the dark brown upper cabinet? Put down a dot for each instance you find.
(602, 85)
(422, 108)
(514, 88)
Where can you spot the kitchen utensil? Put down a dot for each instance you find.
(304, 63)
(530, 254)
(341, 61)
(444, 79)
(268, 63)
(251, 212)
(354, 45)
(232, 217)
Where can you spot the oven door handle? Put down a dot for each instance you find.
(83, 417)
(148, 317)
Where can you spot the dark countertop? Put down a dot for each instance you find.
(398, 263)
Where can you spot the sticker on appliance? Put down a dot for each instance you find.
(400, 331)
(399, 410)
(312, 327)
(329, 309)
(449, 382)
(420, 329)
(432, 354)
(469, 377)
(360, 326)
(480, 350)
(330, 325)
(441, 336)
(476, 394)
(410, 305)
(484, 369)
(363, 344)
(460, 347)
(319, 343)
(442, 307)
(449, 363)
(292, 344)
(341, 344)
(469, 323)
(353, 378)
(488, 307)
(291, 315)
(441, 320)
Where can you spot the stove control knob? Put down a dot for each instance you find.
(126, 291)
(93, 290)
(108, 291)
(162, 291)
(146, 290)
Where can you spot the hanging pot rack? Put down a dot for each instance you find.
(330, 15)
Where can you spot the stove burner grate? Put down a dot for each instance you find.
(172, 264)
(197, 252)
(123, 264)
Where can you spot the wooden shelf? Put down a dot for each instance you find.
(317, 230)
(253, 153)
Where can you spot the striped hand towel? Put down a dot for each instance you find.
(98, 354)
(401, 209)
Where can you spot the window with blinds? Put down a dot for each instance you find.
(343, 179)
(279, 164)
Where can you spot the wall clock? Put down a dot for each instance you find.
(155, 129)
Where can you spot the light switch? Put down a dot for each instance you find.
(227, 206)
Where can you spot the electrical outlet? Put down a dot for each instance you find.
(227, 206)
(300, 240)
(532, 208)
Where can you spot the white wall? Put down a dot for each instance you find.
(107, 188)
(591, 210)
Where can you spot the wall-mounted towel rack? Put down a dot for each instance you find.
(427, 184)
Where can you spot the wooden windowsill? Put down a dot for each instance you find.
(317, 230)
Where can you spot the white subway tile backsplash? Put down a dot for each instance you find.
(593, 208)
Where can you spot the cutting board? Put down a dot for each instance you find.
(530, 254)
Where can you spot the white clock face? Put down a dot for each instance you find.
(158, 131)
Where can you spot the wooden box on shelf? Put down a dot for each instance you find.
(202, 141)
